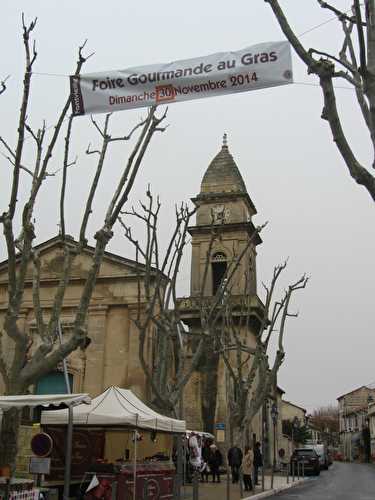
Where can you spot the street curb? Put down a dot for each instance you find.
(275, 491)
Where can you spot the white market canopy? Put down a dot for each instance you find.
(206, 435)
(116, 407)
(32, 400)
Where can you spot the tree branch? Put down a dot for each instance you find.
(64, 177)
(325, 70)
(3, 86)
(38, 311)
(356, 170)
(290, 35)
(361, 37)
(22, 117)
(340, 14)
(346, 65)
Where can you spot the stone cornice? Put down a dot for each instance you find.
(221, 197)
(226, 228)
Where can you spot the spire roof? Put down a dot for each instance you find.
(222, 175)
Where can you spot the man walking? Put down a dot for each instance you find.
(258, 461)
(235, 461)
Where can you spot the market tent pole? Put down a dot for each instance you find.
(179, 467)
(135, 464)
(68, 455)
(69, 437)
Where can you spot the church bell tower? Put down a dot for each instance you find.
(224, 208)
(223, 202)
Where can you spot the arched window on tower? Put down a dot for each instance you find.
(219, 267)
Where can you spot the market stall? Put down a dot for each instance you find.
(24, 489)
(135, 437)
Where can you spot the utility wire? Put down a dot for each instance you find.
(325, 22)
(320, 25)
(301, 34)
(345, 87)
(61, 75)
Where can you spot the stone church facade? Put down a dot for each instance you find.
(111, 358)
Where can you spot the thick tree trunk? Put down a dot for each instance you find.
(9, 437)
(209, 368)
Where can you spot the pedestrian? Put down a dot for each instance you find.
(235, 461)
(247, 468)
(215, 461)
(205, 457)
(188, 478)
(258, 461)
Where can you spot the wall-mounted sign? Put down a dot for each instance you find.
(39, 465)
(256, 67)
(220, 436)
(220, 426)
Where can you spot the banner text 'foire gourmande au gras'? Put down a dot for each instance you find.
(256, 67)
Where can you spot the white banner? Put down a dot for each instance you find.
(260, 66)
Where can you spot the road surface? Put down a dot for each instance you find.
(343, 481)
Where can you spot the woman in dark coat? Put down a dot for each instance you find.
(215, 460)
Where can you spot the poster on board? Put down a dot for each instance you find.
(259, 66)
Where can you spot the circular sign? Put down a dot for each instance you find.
(41, 444)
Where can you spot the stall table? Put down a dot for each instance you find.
(154, 481)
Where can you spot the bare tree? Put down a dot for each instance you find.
(253, 377)
(167, 373)
(326, 419)
(354, 65)
(176, 351)
(20, 367)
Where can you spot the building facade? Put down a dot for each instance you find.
(355, 441)
(111, 358)
(292, 416)
(371, 418)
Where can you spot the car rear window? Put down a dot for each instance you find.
(309, 453)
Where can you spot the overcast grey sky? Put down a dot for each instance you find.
(294, 175)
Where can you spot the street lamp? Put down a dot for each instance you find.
(274, 415)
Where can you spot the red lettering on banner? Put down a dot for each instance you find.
(165, 93)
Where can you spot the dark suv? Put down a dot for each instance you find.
(307, 459)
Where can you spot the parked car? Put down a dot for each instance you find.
(308, 460)
(321, 451)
